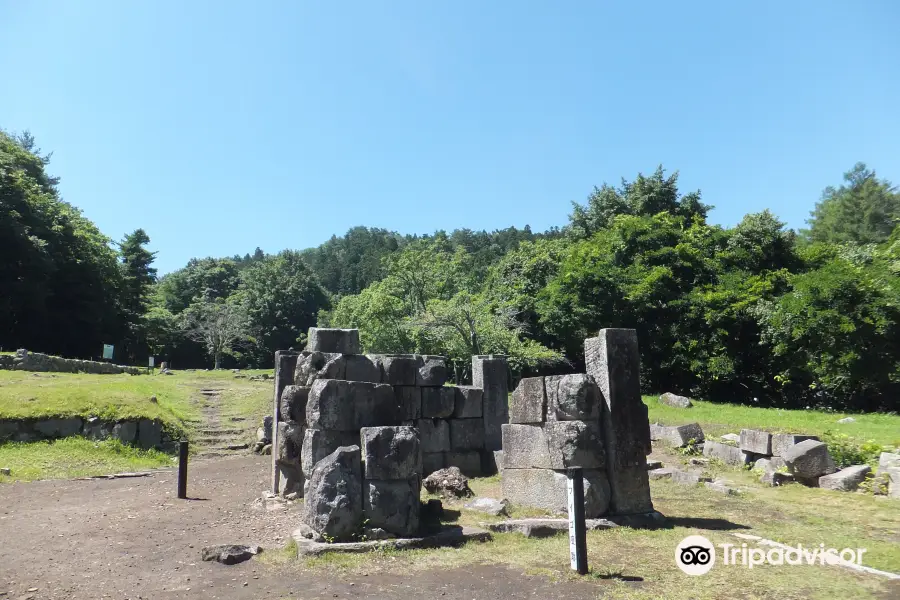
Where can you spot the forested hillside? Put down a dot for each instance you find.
(756, 313)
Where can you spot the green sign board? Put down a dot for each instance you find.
(107, 351)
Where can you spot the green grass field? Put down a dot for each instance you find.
(114, 397)
(75, 457)
(717, 419)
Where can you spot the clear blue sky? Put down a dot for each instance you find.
(220, 126)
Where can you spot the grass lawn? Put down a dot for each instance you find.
(111, 397)
(717, 419)
(75, 457)
(640, 564)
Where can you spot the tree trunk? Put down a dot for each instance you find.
(218, 360)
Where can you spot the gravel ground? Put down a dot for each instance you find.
(132, 538)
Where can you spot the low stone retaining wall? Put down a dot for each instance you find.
(145, 433)
(24, 360)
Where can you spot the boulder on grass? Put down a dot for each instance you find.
(675, 401)
(845, 480)
(449, 482)
(757, 442)
(808, 461)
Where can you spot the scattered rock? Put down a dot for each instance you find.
(845, 480)
(699, 462)
(776, 478)
(661, 473)
(266, 450)
(721, 487)
(654, 464)
(448, 482)
(674, 400)
(888, 460)
(229, 554)
(847, 420)
(5, 471)
(540, 528)
(808, 461)
(377, 533)
(489, 506)
(688, 477)
(432, 510)
(731, 437)
(154, 400)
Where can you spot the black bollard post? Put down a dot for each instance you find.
(577, 529)
(182, 469)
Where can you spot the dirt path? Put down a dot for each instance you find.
(215, 437)
(131, 538)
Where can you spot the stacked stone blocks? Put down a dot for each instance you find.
(593, 421)
(326, 394)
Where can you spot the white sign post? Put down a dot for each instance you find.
(152, 362)
(577, 529)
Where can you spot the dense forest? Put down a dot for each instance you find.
(756, 313)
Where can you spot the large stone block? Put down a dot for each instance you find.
(893, 477)
(149, 434)
(318, 443)
(809, 460)
(675, 401)
(845, 480)
(432, 461)
(680, 436)
(888, 460)
(491, 374)
(434, 435)
(393, 505)
(125, 431)
(400, 369)
(287, 456)
(782, 441)
(529, 401)
(285, 365)
(351, 405)
(312, 366)
(548, 490)
(334, 499)
(338, 341)
(466, 434)
(361, 368)
(757, 442)
(433, 371)
(612, 359)
(525, 447)
(391, 452)
(468, 402)
(572, 398)
(467, 461)
(293, 403)
(409, 398)
(575, 444)
(438, 403)
(727, 454)
(59, 428)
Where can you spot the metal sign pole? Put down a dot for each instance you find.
(577, 529)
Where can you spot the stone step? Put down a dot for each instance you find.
(213, 431)
(230, 447)
(214, 440)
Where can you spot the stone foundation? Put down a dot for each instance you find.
(145, 433)
(44, 363)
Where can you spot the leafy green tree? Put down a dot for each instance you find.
(206, 277)
(863, 210)
(644, 196)
(222, 326)
(283, 300)
(59, 276)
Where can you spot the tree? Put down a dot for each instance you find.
(283, 300)
(645, 196)
(138, 278)
(59, 279)
(221, 326)
(863, 210)
(205, 277)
